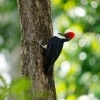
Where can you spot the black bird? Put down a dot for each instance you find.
(54, 48)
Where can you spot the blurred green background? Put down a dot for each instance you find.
(77, 70)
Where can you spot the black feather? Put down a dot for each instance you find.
(53, 51)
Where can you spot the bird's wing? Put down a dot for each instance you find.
(51, 48)
(54, 48)
(49, 54)
(57, 52)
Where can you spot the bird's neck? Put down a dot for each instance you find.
(64, 40)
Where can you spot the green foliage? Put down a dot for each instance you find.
(3, 88)
(77, 70)
(16, 89)
(9, 24)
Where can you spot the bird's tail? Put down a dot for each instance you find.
(48, 70)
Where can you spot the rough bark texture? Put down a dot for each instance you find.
(36, 25)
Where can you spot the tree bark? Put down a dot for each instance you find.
(36, 25)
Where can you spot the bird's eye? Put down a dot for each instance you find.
(68, 37)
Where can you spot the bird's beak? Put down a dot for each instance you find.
(61, 34)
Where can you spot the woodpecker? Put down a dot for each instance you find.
(53, 50)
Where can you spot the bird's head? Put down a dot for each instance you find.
(68, 35)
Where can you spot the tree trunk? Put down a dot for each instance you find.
(36, 25)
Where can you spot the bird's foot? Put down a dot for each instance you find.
(43, 46)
